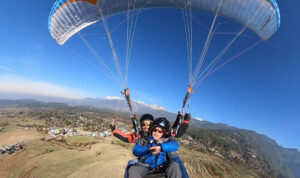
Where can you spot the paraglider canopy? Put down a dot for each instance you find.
(67, 17)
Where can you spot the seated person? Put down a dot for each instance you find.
(153, 156)
(145, 122)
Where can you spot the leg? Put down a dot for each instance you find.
(173, 170)
(130, 163)
(175, 158)
(137, 171)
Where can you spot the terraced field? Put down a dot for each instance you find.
(90, 157)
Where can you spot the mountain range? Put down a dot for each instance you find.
(256, 151)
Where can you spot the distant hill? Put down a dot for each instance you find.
(292, 159)
(29, 103)
(112, 104)
(256, 151)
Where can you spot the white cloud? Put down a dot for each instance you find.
(199, 119)
(113, 98)
(18, 85)
(153, 106)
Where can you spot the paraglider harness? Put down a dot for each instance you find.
(160, 169)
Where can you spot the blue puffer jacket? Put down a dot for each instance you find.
(157, 159)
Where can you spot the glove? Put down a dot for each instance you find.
(133, 116)
(112, 127)
(179, 113)
(187, 116)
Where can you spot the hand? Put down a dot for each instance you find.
(133, 116)
(154, 150)
(179, 113)
(112, 125)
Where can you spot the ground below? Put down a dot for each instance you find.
(90, 157)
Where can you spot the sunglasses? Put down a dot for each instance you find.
(158, 130)
(146, 123)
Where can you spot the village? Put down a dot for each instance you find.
(73, 122)
(54, 132)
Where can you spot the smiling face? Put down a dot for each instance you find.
(157, 133)
(146, 125)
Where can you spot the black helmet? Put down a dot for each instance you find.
(161, 122)
(146, 117)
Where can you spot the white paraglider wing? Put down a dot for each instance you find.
(67, 17)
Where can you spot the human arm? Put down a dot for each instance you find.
(135, 124)
(139, 150)
(128, 138)
(169, 146)
(184, 125)
(179, 118)
(180, 125)
(155, 149)
(112, 125)
(176, 124)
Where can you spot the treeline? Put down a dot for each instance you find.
(256, 152)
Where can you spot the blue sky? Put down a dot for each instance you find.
(258, 91)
